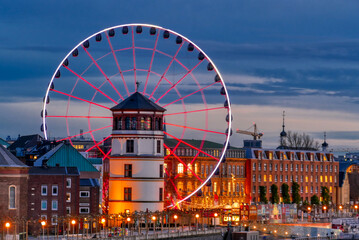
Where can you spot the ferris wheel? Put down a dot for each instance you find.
(163, 65)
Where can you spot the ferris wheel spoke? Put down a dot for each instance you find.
(173, 184)
(165, 72)
(103, 73)
(83, 79)
(194, 111)
(81, 99)
(185, 143)
(98, 143)
(80, 134)
(134, 58)
(64, 116)
(180, 160)
(150, 68)
(117, 64)
(198, 129)
(174, 85)
(199, 90)
(106, 155)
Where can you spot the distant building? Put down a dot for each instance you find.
(310, 169)
(89, 197)
(53, 192)
(65, 155)
(24, 144)
(13, 186)
(227, 185)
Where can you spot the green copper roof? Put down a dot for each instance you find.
(66, 156)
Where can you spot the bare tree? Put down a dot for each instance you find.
(295, 140)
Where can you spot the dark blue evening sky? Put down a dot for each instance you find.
(298, 56)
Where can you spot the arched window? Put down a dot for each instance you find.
(119, 123)
(180, 168)
(149, 123)
(12, 199)
(189, 186)
(127, 123)
(133, 123)
(160, 123)
(157, 124)
(142, 123)
(189, 169)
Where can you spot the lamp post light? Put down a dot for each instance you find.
(215, 217)
(128, 219)
(175, 217)
(73, 222)
(154, 223)
(356, 208)
(197, 216)
(43, 224)
(7, 225)
(309, 209)
(103, 224)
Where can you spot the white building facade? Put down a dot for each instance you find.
(136, 177)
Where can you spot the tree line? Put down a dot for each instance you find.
(296, 198)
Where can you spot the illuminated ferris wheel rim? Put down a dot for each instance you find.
(189, 41)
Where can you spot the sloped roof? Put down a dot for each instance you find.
(138, 102)
(25, 142)
(7, 159)
(54, 171)
(4, 143)
(97, 161)
(66, 155)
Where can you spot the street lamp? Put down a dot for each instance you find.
(197, 216)
(128, 219)
(215, 215)
(175, 218)
(43, 224)
(103, 224)
(154, 223)
(73, 222)
(7, 225)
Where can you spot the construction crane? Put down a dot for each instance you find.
(255, 133)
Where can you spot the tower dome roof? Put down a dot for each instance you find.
(138, 102)
(283, 134)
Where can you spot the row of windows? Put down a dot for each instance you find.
(270, 178)
(286, 167)
(302, 189)
(207, 169)
(137, 123)
(292, 156)
(213, 152)
(229, 187)
(54, 188)
(128, 194)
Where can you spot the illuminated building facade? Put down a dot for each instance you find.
(310, 169)
(136, 180)
(227, 185)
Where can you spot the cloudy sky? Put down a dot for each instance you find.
(301, 57)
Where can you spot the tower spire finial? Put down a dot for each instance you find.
(137, 85)
(283, 134)
(325, 144)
